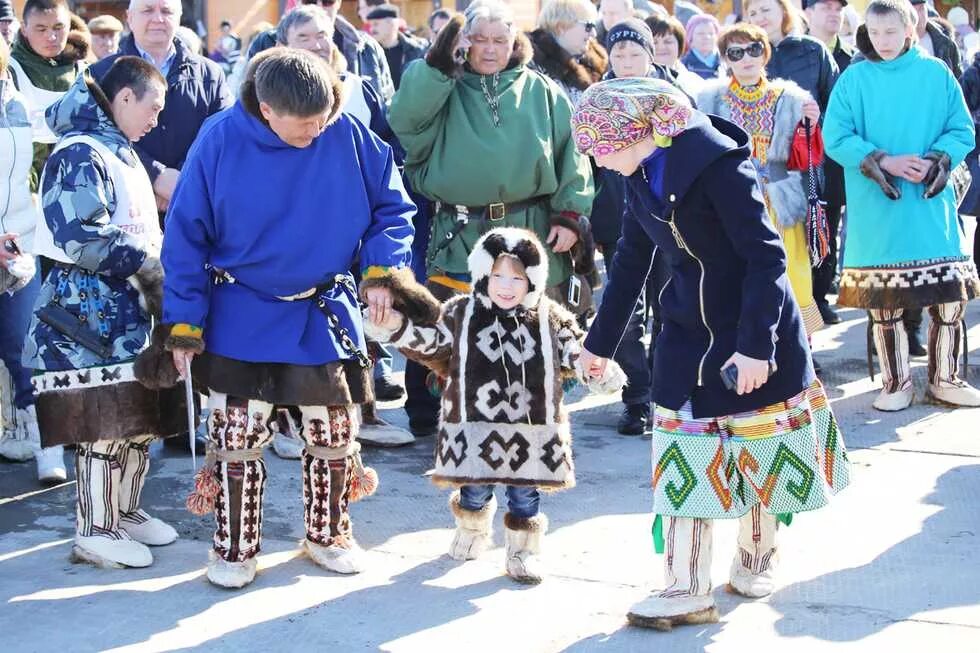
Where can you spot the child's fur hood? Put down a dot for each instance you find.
(523, 245)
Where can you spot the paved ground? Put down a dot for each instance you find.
(891, 566)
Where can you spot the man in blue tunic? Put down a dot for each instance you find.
(259, 243)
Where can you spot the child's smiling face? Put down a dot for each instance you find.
(508, 283)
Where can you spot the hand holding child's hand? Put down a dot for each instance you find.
(592, 366)
(393, 320)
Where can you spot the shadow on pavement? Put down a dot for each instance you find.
(916, 575)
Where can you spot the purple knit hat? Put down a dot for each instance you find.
(697, 21)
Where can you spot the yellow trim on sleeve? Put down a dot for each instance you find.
(187, 331)
(449, 282)
(375, 272)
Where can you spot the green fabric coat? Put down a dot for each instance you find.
(455, 154)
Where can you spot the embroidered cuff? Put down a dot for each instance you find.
(375, 272)
(187, 331)
(185, 336)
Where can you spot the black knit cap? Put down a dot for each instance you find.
(7, 10)
(384, 11)
(631, 29)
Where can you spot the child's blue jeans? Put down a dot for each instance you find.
(521, 501)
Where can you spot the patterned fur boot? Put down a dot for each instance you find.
(474, 533)
(524, 535)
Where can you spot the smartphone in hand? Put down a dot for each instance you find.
(729, 375)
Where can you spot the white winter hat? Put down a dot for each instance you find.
(520, 243)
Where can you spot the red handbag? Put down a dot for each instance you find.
(806, 148)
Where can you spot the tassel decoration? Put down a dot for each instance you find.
(206, 488)
(364, 482)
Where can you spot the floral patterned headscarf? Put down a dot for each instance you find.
(616, 114)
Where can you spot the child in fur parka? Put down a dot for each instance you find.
(504, 350)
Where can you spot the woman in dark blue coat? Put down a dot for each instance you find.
(766, 446)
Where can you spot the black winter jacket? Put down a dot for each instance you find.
(728, 288)
(806, 61)
(970, 81)
(196, 89)
(945, 49)
(365, 56)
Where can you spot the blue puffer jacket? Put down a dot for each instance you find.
(728, 288)
(196, 89)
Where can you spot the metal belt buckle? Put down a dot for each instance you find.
(497, 212)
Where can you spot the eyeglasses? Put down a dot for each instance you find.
(736, 52)
(589, 26)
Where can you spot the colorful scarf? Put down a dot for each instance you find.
(619, 113)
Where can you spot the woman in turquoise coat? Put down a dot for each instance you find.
(898, 124)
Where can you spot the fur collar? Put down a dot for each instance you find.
(866, 48)
(789, 111)
(555, 62)
(251, 102)
(509, 240)
(522, 53)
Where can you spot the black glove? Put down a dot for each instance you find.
(871, 168)
(938, 176)
(442, 54)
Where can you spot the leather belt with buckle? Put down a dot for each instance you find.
(496, 212)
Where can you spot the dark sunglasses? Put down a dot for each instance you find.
(736, 52)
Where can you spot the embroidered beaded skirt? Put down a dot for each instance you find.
(909, 285)
(789, 457)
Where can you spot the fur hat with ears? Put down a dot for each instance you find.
(525, 247)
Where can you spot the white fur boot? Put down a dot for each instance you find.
(752, 569)
(134, 465)
(524, 535)
(474, 529)
(16, 442)
(286, 441)
(687, 570)
(340, 560)
(232, 575)
(147, 529)
(110, 552)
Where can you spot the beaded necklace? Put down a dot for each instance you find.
(754, 110)
(493, 99)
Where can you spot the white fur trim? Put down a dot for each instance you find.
(230, 574)
(481, 263)
(788, 199)
(473, 467)
(657, 606)
(547, 353)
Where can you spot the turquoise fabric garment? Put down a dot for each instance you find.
(910, 105)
